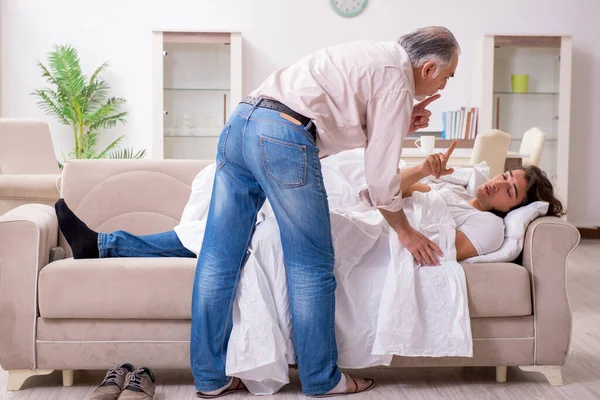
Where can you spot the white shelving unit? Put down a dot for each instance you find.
(546, 104)
(197, 81)
(0, 71)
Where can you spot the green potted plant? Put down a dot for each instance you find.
(83, 104)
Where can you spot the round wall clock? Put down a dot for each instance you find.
(348, 8)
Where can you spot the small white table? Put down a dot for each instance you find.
(459, 157)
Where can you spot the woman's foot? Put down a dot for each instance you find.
(353, 386)
(83, 240)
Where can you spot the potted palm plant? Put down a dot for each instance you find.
(83, 104)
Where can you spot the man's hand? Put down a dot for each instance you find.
(420, 115)
(423, 250)
(435, 164)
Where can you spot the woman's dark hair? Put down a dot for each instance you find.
(539, 188)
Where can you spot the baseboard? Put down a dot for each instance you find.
(589, 233)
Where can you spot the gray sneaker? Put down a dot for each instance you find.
(113, 383)
(139, 385)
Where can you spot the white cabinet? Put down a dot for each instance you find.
(545, 103)
(197, 82)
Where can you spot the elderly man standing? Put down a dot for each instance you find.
(343, 97)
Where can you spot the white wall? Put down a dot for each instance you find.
(276, 33)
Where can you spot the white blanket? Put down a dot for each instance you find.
(385, 304)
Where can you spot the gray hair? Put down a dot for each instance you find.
(432, 43)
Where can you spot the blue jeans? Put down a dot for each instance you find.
(262, 155)
(124, 244)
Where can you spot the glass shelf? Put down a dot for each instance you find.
(547, 140)
(198, 89)
(530, 93)
(192, 133)
(189, 136)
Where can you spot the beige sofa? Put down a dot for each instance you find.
(90, 314)
(29, 172)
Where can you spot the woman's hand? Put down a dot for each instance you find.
(435, 164)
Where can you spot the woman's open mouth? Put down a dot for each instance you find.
(487, 189)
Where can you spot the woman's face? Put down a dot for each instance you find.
(503, 192)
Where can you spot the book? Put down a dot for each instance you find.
(460, 124)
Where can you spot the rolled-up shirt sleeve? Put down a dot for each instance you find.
(387, 123)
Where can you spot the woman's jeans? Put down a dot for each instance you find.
(124, 244)
(262, 155)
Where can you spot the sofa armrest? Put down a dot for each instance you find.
(40, 186)
(548, 243)
(27, 235)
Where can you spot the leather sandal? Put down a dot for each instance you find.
(351, 388)
(236, 386)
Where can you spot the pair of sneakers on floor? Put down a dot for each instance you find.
(124, 382)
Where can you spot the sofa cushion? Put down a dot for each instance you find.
(161, 288)
(146, 288)
(498, 289)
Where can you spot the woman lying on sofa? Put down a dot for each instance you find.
(478, 215)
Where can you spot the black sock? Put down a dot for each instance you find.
(83, 240)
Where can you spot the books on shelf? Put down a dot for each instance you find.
(460, 124)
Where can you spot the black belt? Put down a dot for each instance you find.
(277, 106)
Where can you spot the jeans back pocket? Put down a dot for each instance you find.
(284, 162)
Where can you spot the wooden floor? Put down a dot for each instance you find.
(581, 373)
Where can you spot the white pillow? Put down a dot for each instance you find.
(515, 226)
(479, 175)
